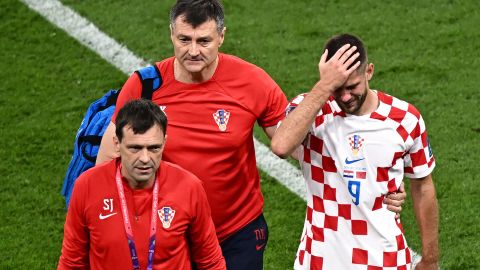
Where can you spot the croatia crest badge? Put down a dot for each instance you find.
(166, 215)
(356, 144)
(221, 118)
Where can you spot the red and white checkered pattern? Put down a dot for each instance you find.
(347, 226)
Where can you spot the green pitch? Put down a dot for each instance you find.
(425, 53)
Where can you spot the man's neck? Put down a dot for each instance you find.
(184, 76)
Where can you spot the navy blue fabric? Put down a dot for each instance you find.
(244, 249)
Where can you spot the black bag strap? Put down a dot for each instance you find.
(151, 80)
(93, 140)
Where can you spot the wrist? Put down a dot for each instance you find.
(428, 258)
(324, 89)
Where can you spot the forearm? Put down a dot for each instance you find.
(426, 211)
(107, 151)
(294, 128)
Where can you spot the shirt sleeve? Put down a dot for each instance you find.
(206, 252)
(131, 90)
(75, 247)
(274, 110)
(419, 159)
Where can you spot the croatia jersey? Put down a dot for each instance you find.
(350, 163)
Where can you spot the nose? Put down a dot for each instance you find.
(193, 49)
(345, 95)
(144, 158)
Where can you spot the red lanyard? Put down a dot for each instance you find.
(128, 227)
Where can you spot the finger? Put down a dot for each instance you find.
(397, 196)
(352, 59)
(397, 215)
(395, 209)
(402, 187)
(341, 52)
(347, 54)
(395, 203)
(353, 68)
(323, 59)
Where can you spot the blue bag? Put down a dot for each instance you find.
(94, 124)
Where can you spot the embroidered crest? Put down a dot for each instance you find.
(166, 215)
(356, 144)
(221, 118)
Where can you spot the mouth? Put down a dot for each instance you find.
(143, 170)
(193, 60)
(349, 104)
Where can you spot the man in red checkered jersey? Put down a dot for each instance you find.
(356, 145)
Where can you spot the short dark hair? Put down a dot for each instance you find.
(140, 115)
(336, 42)
(197, 12)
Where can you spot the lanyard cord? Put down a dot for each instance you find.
(128, 227)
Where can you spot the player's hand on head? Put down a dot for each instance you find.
(338, 68)
(395, 200)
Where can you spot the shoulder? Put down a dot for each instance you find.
(402, 116)
(398, 110)
(165, 64)
(238, 67)
(97, 174)
(178, 174)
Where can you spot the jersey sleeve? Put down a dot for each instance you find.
(419, 159)
(131, 90)
(274, 110)
(75, 246)
(206, 252)
(294, 103)
(289, 108)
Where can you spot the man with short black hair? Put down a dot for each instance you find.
(137, 211)
(356, 145)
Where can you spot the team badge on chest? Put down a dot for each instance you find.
(166, 215)
(221, 118)
(356, 144)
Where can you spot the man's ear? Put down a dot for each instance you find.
(164, 142)
(222, 36)
(116, 144)
(369, 71)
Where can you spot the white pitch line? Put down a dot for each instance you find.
(87, 34)
(118, 55)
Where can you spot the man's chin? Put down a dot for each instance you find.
(194, 67)
(142, 178)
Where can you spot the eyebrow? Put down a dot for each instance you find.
(142, 146)
(352, 85)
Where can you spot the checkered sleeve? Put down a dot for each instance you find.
(419, 159)
(294, 103)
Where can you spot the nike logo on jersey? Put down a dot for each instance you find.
(259, 247)
(106, 216)
(353, 161)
